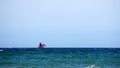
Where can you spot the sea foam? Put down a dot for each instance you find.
(92, 66)
(1, 50)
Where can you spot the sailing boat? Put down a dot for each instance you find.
(41, 45)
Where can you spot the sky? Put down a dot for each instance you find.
(60, 23)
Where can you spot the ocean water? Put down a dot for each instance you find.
(60, 58)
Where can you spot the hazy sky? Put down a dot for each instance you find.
(60, 23)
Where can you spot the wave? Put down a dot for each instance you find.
(92, 66)
(1, 50)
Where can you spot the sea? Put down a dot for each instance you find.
(59, 57)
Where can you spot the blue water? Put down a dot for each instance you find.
(60, 58)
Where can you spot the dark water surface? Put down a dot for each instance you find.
(60, 58)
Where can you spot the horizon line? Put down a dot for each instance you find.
(61, 47)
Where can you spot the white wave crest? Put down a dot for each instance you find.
(92, 66)
(1, 50)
